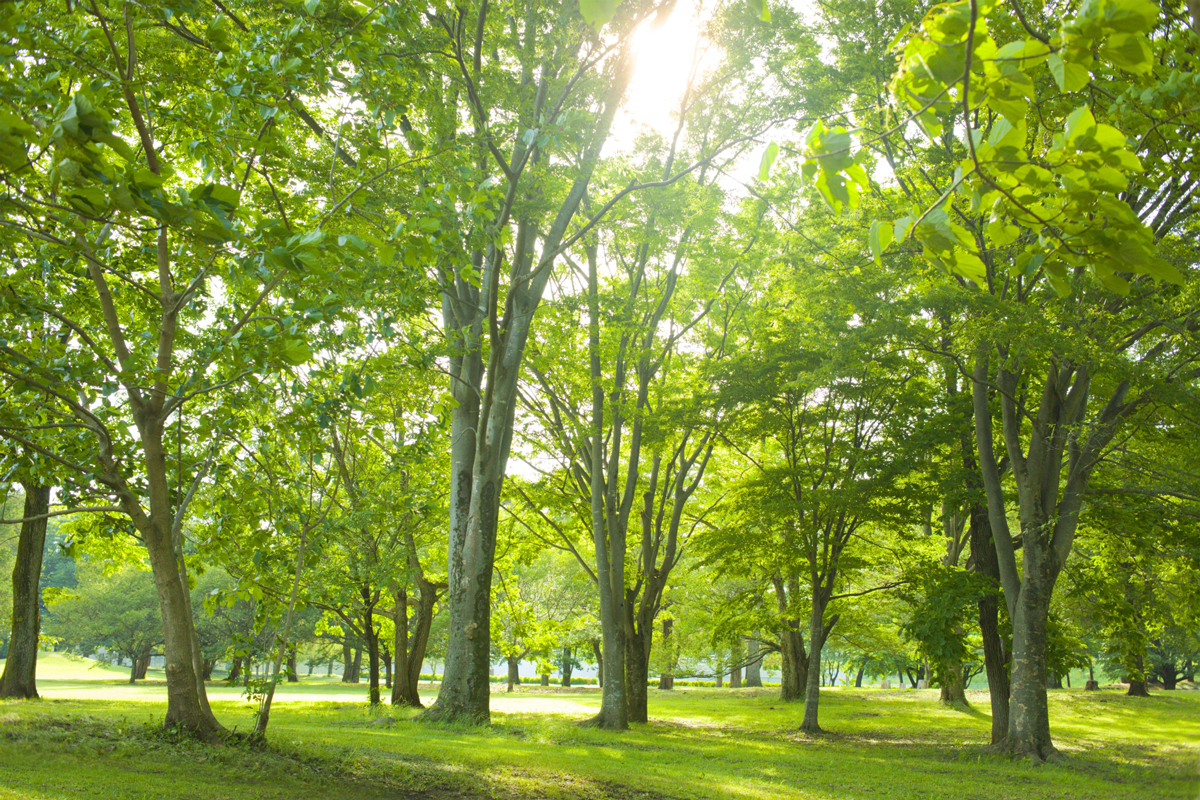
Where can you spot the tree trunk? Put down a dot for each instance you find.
(755, 657)
(1137, 678)
(410, 650)
(818, 632)
(208, 665)
(666, 681)
(347, 661)
(637, 676)
(372, 636)
(514, 673)
(737, 655)
(356, 666)
(385, 653)
(545, 679)
(1029, 713)
(568, 664)
(794, 663)
(598, 654)
(235, 670)
(292, 670)
(19, 679)
(859, 676)
(1169, 675)
(953, 692)
(995, 659)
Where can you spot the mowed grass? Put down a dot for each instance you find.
(700, 743)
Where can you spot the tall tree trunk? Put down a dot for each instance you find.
(793, 665)
(637, 677)
(356, 666)
(754, 661)
(1029, 712)
(385, 653)
(347, 661)
(20, 668)
(666, 681)
(859, 676)
(235, 670)
(737, 655)
(818, 632)
(598, 654)
(1137, 677)
(995, 659)
(514, 672)
(410, 650)
(953, 692)
(372, 637)
(568, 663)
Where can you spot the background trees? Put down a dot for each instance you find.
(292, 322)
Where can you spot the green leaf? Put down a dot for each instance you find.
(1129, 51)
(761, 9)
(1131, 16)
(768, 158)
(1079, 123)
(598, 13)
(880, 237)
(1070, 76)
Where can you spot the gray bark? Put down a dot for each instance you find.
(19, 679)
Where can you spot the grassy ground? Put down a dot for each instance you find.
(95, 736)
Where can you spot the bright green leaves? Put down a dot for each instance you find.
(1129, 51)
(761, 9)
(1058, 195)
(831, 167)
(768, 158)
(598, 13)
(1070, 75)
(880, 237)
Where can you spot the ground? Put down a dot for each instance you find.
(95, 736)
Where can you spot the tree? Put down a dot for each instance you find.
(20, 667)
(117, 612)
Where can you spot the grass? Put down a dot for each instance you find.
(90, 739)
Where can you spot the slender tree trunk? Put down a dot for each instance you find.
(637, 678)
(818, 631)
(995, 659)
(385, 653)
(545, 679)
(666, 681)
(514, 673)
(20, 668)
(568, 662)
(235, 670)
(372, 636)
(347, 661)
(264, 706)
(737, 656)
(410, 650)
(356, 667)
(598, 654)
(754, 665)
(859, 676)
(292, 670)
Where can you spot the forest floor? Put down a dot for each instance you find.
(93, 735)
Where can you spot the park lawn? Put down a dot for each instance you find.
(700, 743)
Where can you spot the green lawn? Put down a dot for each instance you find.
(95, 736)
